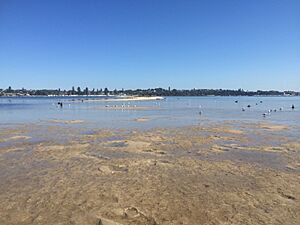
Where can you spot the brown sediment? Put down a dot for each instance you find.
(272, 127)
(18, 137)
(160, 176)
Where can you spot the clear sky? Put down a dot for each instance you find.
(249, 44)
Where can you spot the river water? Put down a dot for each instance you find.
(170, 112)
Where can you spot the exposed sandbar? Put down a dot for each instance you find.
(123, 99)
(67, 121)
(141, 119)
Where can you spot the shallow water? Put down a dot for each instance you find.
(64, 173)
(172, 112)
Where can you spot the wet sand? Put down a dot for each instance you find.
(216, 174)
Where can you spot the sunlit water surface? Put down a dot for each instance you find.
(171, 112)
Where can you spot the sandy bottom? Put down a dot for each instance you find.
(193, 175)
(118, 107)
(273, 127)
(67, 121)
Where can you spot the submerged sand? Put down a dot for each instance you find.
(128, 107)
(194, 175)
(66, 121)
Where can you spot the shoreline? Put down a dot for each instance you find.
(164, 96)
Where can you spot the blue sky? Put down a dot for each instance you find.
(150, 43)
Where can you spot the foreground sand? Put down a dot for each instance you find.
(194, 175)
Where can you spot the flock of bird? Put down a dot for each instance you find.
(269, 111)
(264, 114)
(200, 112)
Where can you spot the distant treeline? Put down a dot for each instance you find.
(143, 92)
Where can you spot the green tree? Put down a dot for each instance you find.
(106, 91)
(78, 91)
(86, 91)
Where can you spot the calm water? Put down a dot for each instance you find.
(174, 111)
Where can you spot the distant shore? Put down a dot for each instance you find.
(124, 96)
(144, 92)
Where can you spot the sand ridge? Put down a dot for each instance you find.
(124, 99)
